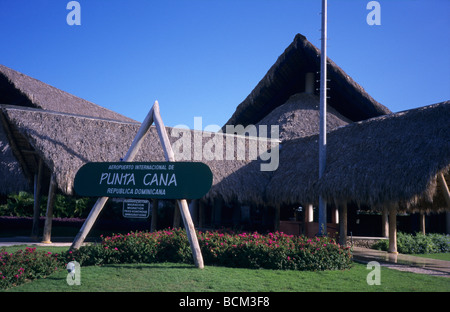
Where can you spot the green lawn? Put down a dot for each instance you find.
(438, 256)
(174, 277)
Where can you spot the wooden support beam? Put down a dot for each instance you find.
(37, 200)
(335, 215)
(393, 229)
(308, 217)
(46, 237)
(152, 116)
(422, 222)
(385, 222)
(445, 189)
(343, 224)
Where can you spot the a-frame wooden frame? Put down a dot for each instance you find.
(152, 116)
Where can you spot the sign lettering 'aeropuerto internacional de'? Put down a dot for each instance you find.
(160, 180)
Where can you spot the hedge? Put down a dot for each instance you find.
(418, 243)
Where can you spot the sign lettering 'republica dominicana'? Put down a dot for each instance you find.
(161, 180)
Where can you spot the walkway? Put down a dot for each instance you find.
(403, 262)
(26, 240)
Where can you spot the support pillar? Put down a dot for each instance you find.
(37, 201)
(46, 237)
(422, 223)
(343, 224)
(308, 218)
(385, 222)
(393, 229)
(335, 215)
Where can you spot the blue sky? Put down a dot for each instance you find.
(203, 57)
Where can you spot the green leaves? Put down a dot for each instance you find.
(418, 243)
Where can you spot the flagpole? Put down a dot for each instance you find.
(323, 119)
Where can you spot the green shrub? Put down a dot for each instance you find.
(418, 243)
(21, 205)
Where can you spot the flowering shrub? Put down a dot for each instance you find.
(28, 264)
(245, 250)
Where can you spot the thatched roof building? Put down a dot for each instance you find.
(392, 158)
(291, 75)
(17, 168)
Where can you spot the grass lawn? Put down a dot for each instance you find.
(438, 256)
(174, 277)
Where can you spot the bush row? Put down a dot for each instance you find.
(417, 243)
(28, 264)
(244, 250)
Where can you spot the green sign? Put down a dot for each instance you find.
(162, 180)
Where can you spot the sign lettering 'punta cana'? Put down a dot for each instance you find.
(169, 180)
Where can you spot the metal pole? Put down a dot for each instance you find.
(323, 119)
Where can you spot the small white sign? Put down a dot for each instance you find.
(136, 208)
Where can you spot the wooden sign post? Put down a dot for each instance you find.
(152, 116)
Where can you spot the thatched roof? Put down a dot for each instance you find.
(23, 91)
(392, 158)
(299, 117)
(287, 77)
(11, 173)
(66, 142)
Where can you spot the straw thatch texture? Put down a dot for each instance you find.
(12, 177)
(393, 158)
(299, 117)
(22, 90)
(66, 142)
(295, 180)
(287, 77)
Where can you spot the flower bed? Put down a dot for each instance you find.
(244, 250)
